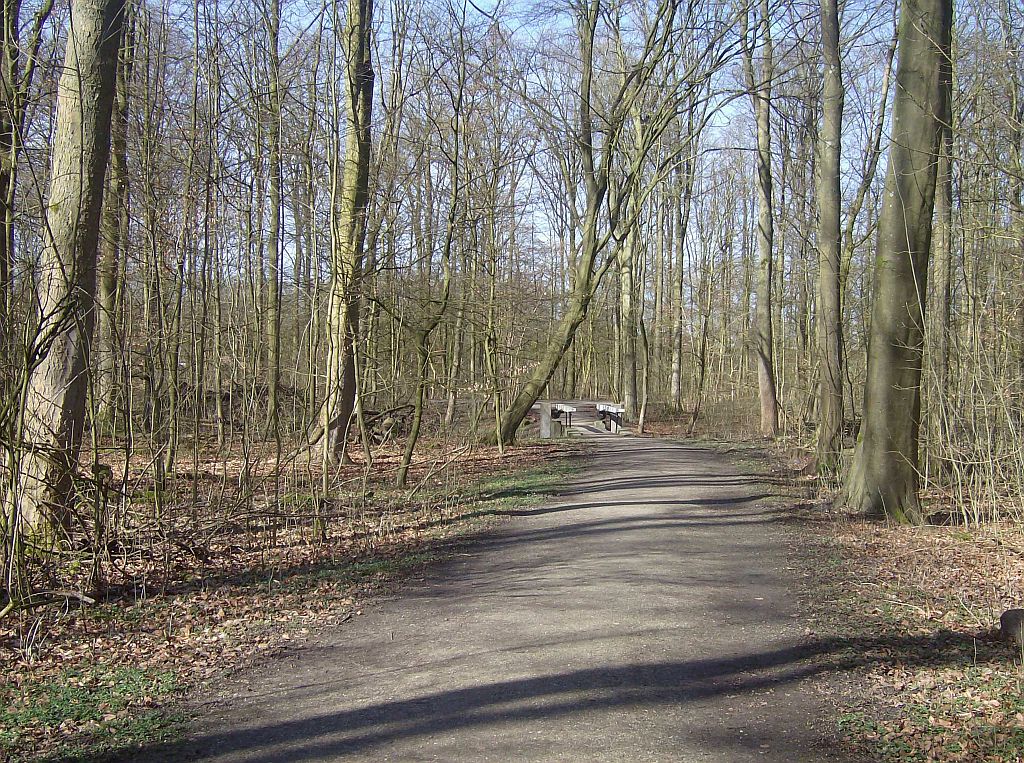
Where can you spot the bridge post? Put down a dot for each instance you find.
(545, 420)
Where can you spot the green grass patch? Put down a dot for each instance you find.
(882, 741)
(524, 488)
(387, 567)
(86, 714)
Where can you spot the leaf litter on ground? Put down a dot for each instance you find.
(914, 612)
(87, 681)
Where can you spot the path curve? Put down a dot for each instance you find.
(645, 615)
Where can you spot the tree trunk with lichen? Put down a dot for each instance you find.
(54, 408)
(349, 234)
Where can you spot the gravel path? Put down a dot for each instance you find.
(644, 616)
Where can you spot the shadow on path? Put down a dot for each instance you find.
(329, 735)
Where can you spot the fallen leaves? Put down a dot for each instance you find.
(949, 690)
(177, 620)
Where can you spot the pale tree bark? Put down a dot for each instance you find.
(683, 203)
(348, 232)
(829, 199)
(760, 85)
(54, 408)
(626, 258)
(941, 405)
(628, 261)
(942, 255)
(884, 477)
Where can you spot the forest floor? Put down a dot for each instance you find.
(919, 671)
(175, 619)
(675, 601)
(646, 614)
(930, 679)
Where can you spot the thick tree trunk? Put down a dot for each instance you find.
(54, 412)
(829, 197)
(884, 476)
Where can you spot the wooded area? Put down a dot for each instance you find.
(251, 247)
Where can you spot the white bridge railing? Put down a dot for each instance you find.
(556, 416)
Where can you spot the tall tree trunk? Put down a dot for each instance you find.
(349, 232)
(113, 236)
(273, 128)
(761, 93)
(628, 324)
(685, 177)
(54, 408)
(829, 198)
(943, 274)
(884, 476)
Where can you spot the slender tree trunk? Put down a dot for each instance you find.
(274, 234)
(829, 198)
(628, 325)
(349, 232)
(54, 409)
(763, 341)
(943, 269)
(455, 365)
(884, 476)
(113, 236)
(18, 59)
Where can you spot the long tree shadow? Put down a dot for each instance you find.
(695, 504)
(331, 734)
(662, 481)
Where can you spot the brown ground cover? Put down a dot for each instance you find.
(192, 600)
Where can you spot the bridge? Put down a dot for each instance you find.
(556, 418)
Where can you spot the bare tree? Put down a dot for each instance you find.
(350, 183)
(17, 70)
(759, 81)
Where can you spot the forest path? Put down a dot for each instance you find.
(646, 615)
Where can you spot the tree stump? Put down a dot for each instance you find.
(1011, 627)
